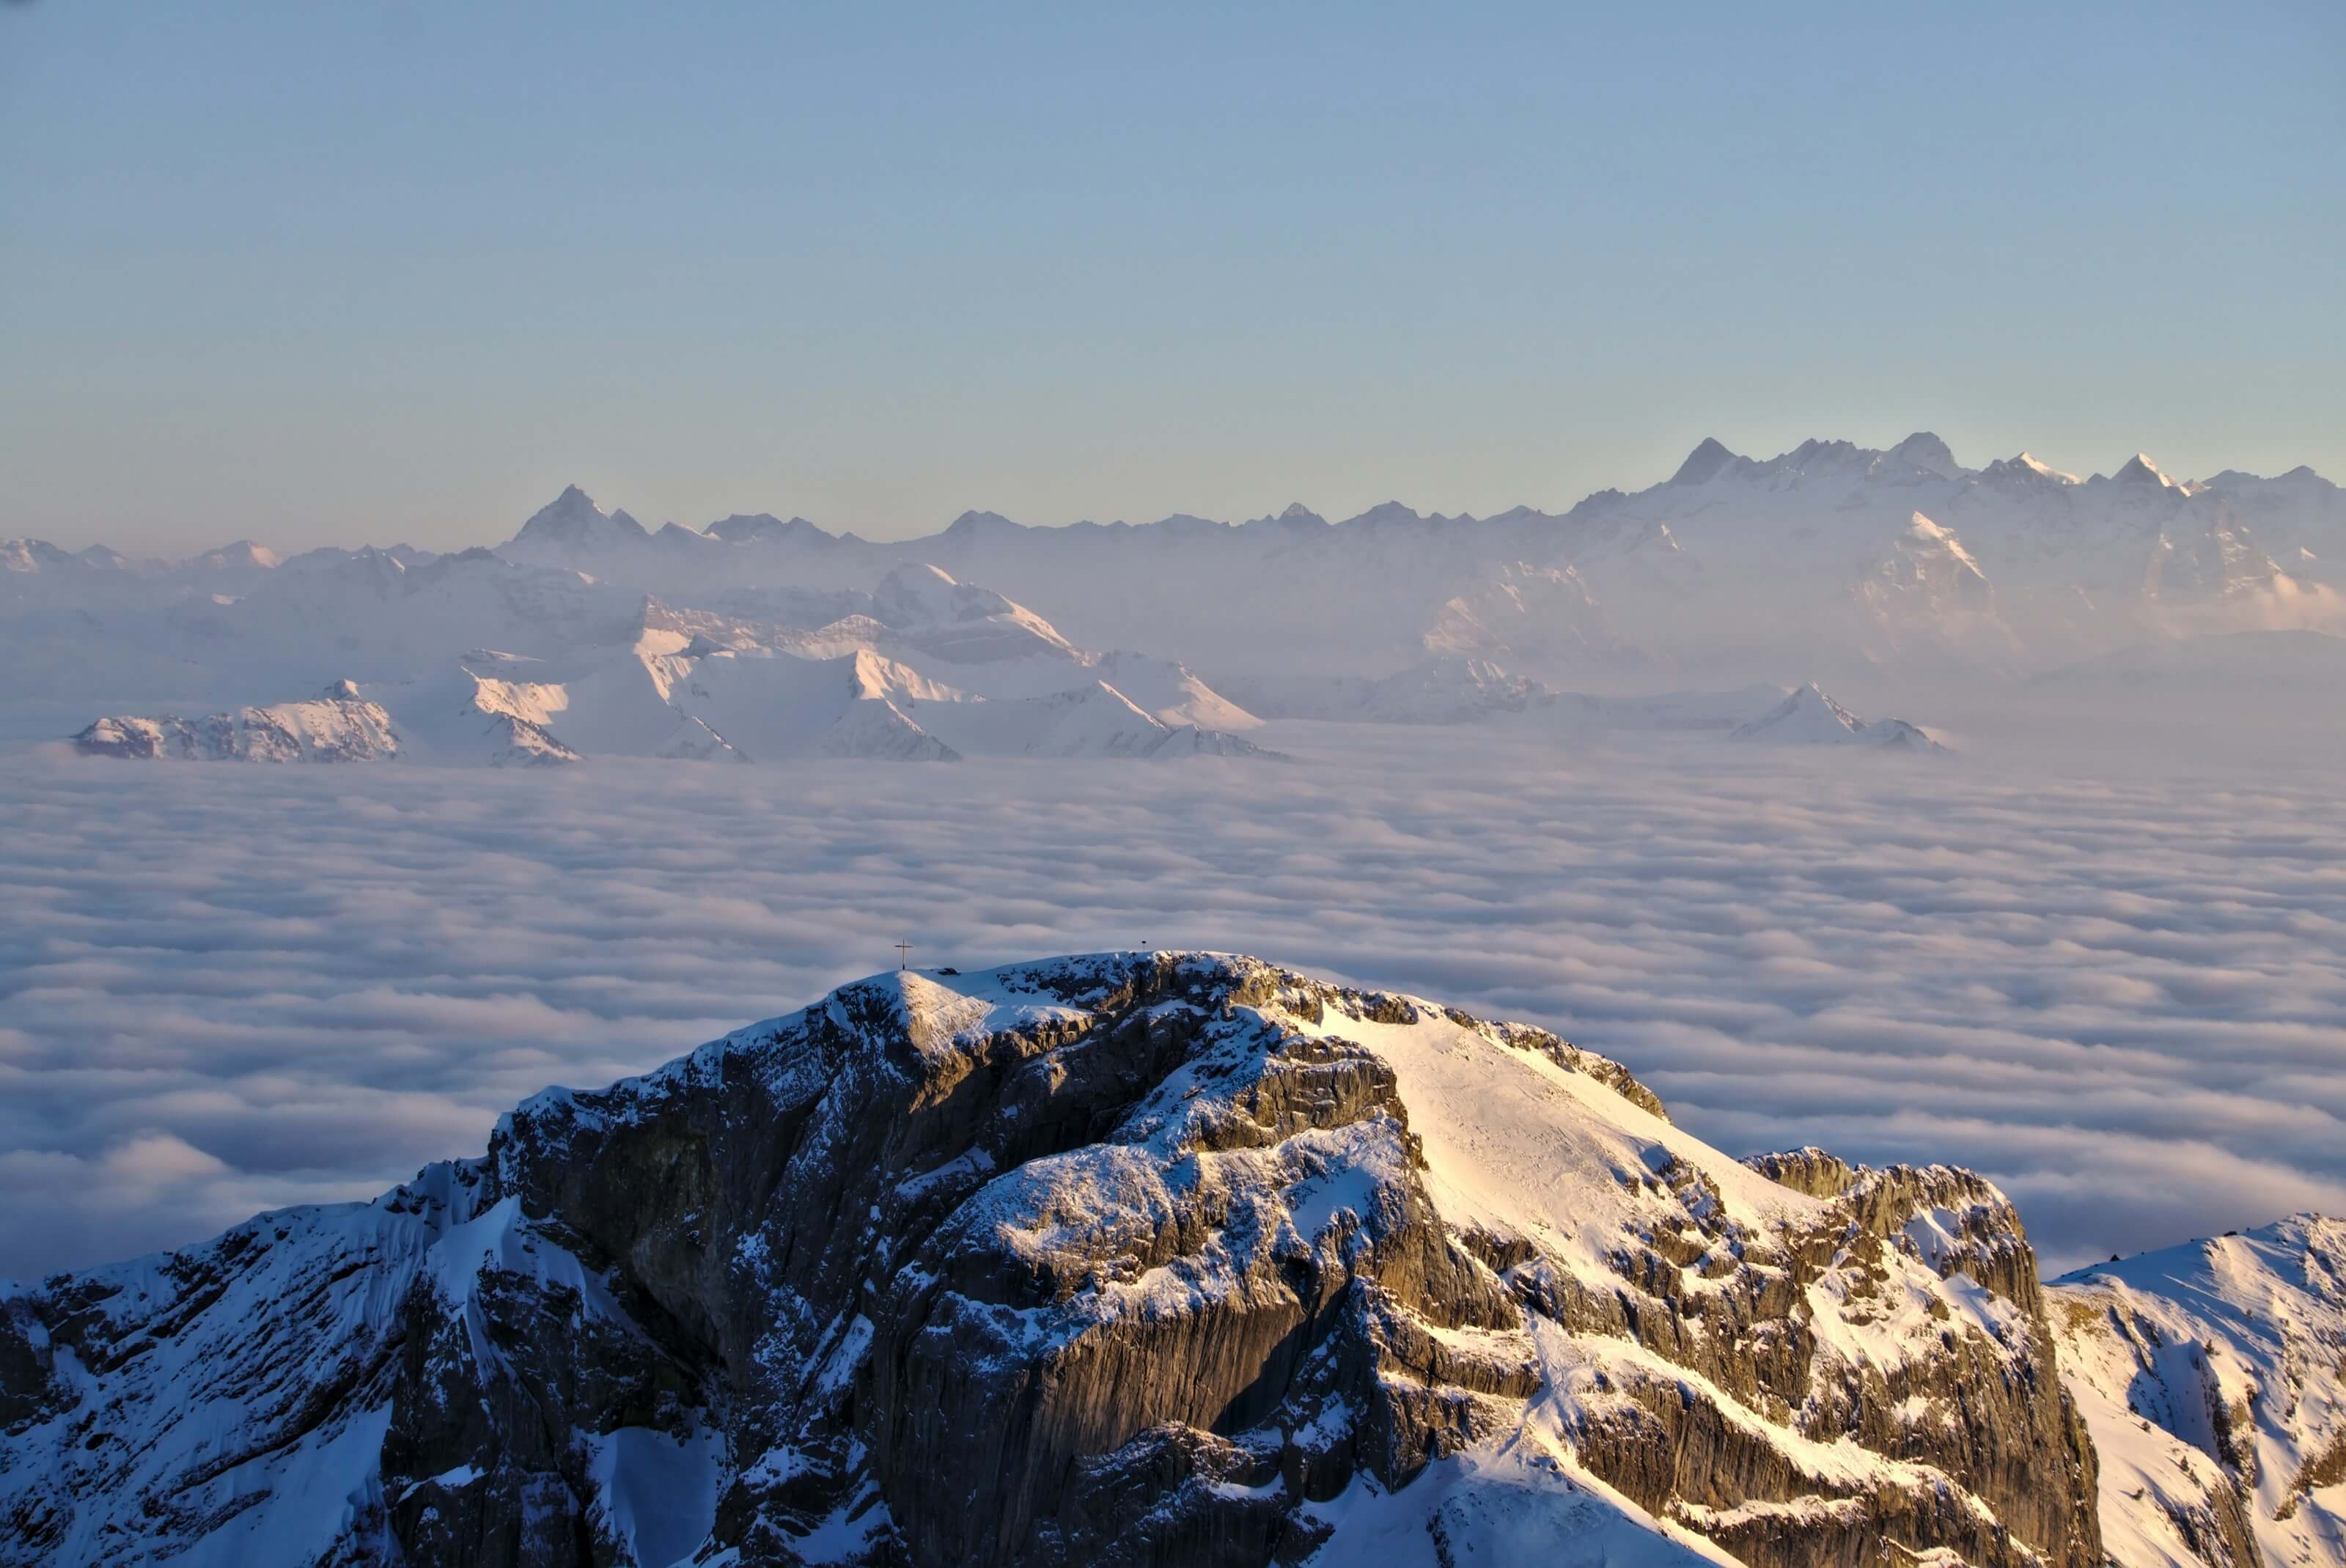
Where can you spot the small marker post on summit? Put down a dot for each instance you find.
(906, 949)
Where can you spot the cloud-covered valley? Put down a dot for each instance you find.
(228, 988)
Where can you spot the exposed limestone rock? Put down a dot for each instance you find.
(1138, 1259)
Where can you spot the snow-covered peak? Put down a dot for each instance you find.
(1386, 514)
(243, 555)
(2141, 470)
(763, 527)
(2025, 468)
(335, 728)
(872, 674)
(572, 518)
(1014, 1265)
(961, 622)
(919, 593)
(31, 556)
(1705, 462)
(1810, 717)
(2212, 1377)
(975, 523)
(676, 536)
(1928, 535)
(1926, 451)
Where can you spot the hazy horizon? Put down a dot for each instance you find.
(496, 530)
(877, 269)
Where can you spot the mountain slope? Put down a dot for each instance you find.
(336, 727)
(1810, 717)
(2213, 1376)
(1096, 720)
(1127, 1259)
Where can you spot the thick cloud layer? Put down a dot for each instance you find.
(224, 988)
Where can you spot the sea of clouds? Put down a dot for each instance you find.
(226, 988)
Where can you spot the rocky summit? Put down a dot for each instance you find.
(1137, 1258)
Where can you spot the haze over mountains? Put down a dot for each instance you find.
(766, 637)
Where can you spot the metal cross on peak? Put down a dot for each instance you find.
(906, 949)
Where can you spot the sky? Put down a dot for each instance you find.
(224, 989)
(376, 271)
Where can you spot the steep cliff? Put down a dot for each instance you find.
(1137, 1258)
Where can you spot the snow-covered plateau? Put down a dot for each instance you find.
(1166, 1258)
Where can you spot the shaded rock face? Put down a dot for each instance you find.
(1133, 1258)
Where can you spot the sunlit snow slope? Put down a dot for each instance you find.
(1135, 1257)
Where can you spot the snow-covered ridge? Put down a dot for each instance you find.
(2213, 1377)
(924, 669)
(1810, 717)
(336, 727)
(1096, 1258)
(1811, 560)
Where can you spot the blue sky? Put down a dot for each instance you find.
(400, 270)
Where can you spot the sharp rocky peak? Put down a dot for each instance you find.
(573, 517)
(1705, 462)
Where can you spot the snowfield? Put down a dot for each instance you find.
(2210, 1375)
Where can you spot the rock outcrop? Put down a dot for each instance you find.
(1137, 1258)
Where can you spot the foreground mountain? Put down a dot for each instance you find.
(1127, 1259)
(2213, 1378)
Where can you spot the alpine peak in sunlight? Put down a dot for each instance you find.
(1900, 571)
(1166, 1258)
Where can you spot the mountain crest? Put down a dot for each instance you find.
(1705, 462)
(1089, 1259)
(573, 519)
(2026, 467)
(1926, 451)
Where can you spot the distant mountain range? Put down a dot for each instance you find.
(1831, 553)
(923, 669)
(1829, 561)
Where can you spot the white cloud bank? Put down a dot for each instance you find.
(224, 988)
